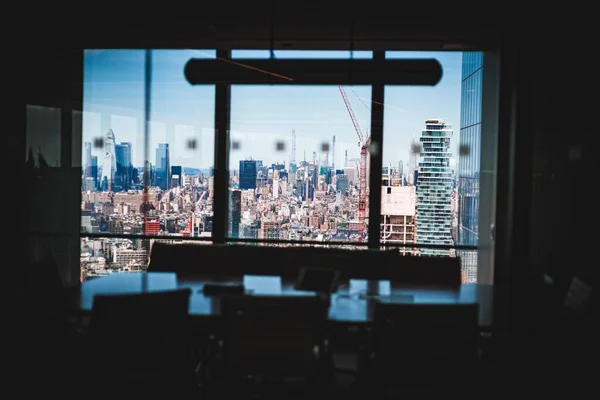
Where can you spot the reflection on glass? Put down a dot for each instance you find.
(295, 171)
(138, 184)
(43, 136)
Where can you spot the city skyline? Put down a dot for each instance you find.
(273, 124)
(261, 116)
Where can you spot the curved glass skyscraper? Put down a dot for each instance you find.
(109, 164)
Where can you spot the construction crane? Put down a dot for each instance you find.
(363, 143)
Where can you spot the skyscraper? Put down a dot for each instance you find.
(176, 175)
(248, 174)
(293, 156)
(342, 184)
(127, 154)
(87, 160)
(109, 164)
(235, 212)
(469, 161)
(434, 188)
(163, 166)
(333, 155)
(124, 165)
(94, 170)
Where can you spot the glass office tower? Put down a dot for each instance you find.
(469, 161)
(163, 166)
(124, 165)
(235, 213)
(248, 174)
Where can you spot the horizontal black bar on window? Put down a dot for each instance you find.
(422, 72)
(277, 241)
(357, 244)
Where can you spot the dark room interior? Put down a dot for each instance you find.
(526, 282)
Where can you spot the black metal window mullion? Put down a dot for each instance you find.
(267, 241)
(147, 116)
(221, 171)
(375, 157)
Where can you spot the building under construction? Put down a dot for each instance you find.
(398, 208)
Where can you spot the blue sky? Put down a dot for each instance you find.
(261, 116)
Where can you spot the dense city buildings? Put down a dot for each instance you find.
(303, 201)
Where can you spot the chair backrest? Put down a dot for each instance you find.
(142, 333)
(202, 260)
(370, 264)
(273, 334)
(426, 270)
(426, 334)
(226, 261)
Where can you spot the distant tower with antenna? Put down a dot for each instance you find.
(346, 159)
(293, 146)
(333, 155)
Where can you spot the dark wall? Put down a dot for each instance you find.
(563, 178)
(552, 220)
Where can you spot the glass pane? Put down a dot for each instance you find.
(109, 255)
(117, 156)
(470, 164)
(430, 174)
(295, 162)
(181, 146)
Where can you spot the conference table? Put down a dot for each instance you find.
(352, 304)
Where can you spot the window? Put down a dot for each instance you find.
(294, 164)
(297, 157)
(294, 158)
(431, 156)
(146, 180)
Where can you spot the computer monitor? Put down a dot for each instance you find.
(322, 280)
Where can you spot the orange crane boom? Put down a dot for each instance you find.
(362, 174)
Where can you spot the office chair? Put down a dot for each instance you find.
(422, 347)
(142, 343)
(274, 337)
